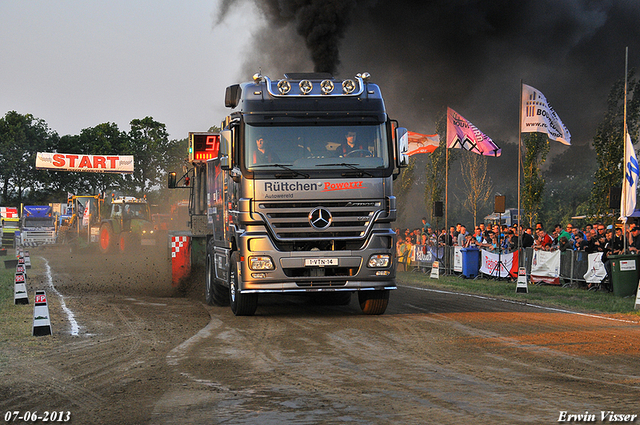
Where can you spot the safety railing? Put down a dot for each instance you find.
(573, 264)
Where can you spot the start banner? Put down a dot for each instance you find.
(85, 163)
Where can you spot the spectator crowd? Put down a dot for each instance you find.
(592, 238)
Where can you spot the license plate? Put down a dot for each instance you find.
(320, 262)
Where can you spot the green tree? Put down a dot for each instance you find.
(536, 150)
(149, 142)
(608, 142)
(103, 139)
(436, 168)
(21, 137)
(569, 182)
(477, 183)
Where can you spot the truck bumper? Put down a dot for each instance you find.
(298, 272)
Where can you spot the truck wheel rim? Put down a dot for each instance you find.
(233, 286)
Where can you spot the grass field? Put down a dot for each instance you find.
(578, 299)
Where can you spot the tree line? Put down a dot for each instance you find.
(22, 136)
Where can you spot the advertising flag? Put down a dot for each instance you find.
(462, 134)
(629, 181)
(539, 117)
(422, 143)
(86, 214)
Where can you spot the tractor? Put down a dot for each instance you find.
(128, 227)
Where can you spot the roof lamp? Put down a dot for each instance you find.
(284, 86)
(305, 86)
(348, 86)
(327, 86)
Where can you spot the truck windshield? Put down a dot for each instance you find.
(39, 222)
(136, 210)
(308, 147)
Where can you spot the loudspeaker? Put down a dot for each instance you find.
(500, 202)
(615, 195)
(437, 209)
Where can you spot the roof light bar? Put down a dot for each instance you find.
(305, 86)
(327, 86)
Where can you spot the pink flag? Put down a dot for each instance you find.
(462, 134)
(422, 143)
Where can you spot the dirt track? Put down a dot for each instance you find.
(146, 353)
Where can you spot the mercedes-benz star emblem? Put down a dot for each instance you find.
(320, 218)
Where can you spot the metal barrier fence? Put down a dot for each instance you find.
(573, 264)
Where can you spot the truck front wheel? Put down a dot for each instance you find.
(214, 292)
(107, 241)
(373, 302)
(241, 304)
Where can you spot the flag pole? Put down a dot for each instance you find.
(520, 235)
(624, 143)
(446, 189)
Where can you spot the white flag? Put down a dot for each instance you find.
(539, 117)
(629, 181)
(86, 213)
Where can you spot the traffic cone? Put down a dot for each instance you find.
(20, 268)
(41, 322)
(435, 270)
(521, 286)
(27, 259)
(20, 295)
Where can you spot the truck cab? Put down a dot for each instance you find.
(300, 195)
(37, 226)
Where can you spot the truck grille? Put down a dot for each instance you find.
(343, 219)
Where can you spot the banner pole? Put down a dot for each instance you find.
(520, 227)
(446, 193)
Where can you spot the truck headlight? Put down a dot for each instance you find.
(261, 263)
(378, 261)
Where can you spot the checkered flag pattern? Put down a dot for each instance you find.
(177, 242)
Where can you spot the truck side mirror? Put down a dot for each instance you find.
(171, 184)
(226, 146)
(402, 147)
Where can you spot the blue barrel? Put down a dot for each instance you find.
(470, 262)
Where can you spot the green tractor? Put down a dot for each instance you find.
(128, 227)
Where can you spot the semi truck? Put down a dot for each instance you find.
(295, 193)
(37, 226)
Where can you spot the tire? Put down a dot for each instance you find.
(127, 242)
(214, 292)
(107, 240)
(241, 304)
(373, 302)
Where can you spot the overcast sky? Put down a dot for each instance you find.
(79, 63)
